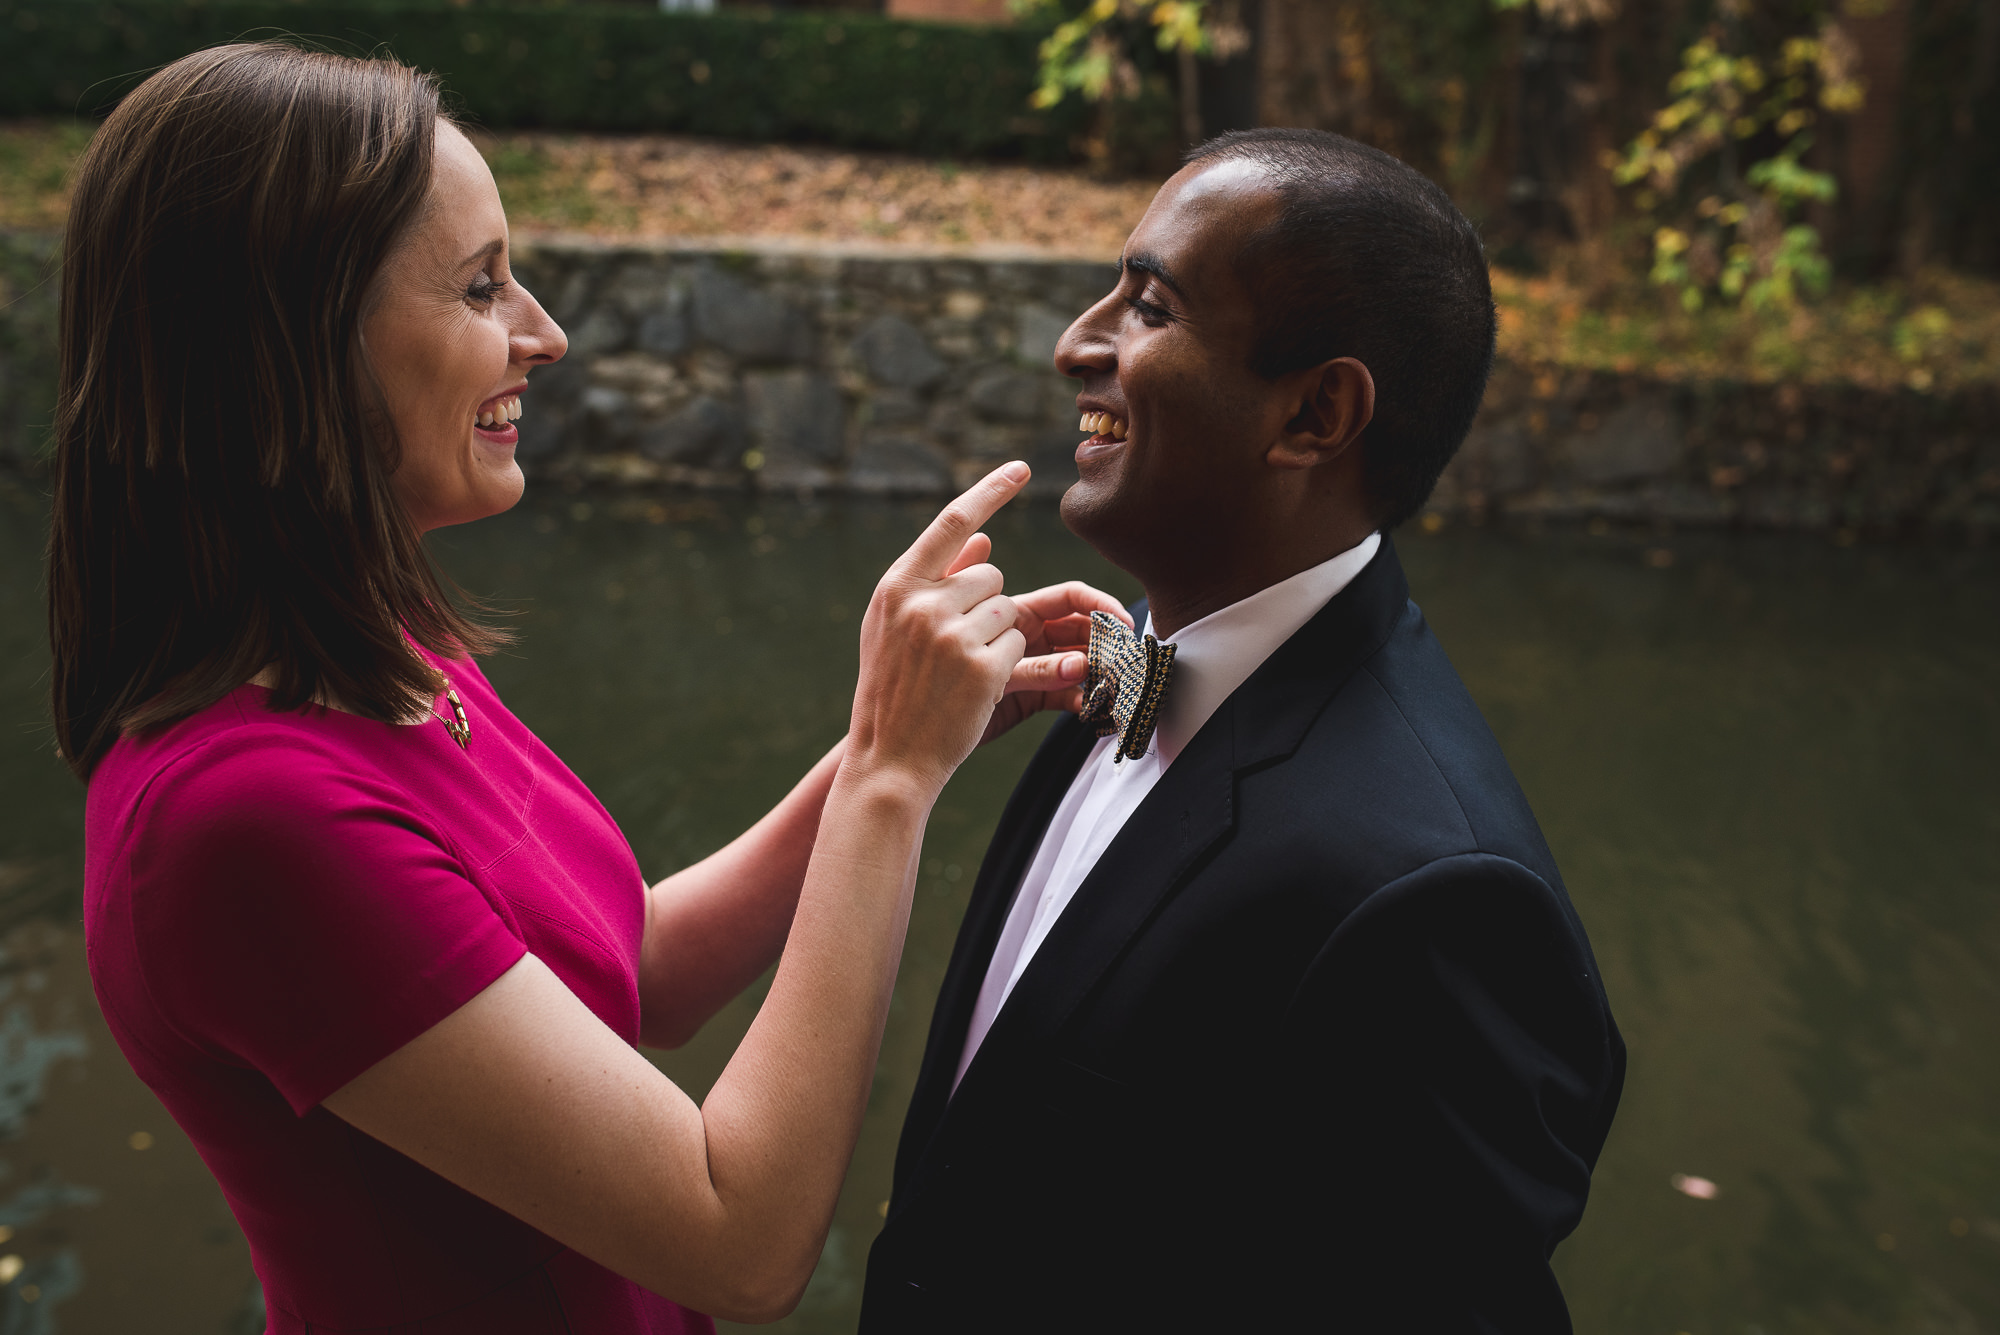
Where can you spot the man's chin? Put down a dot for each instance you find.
(1091, 509)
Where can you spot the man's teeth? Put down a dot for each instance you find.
(501, 413)
(1104, 424)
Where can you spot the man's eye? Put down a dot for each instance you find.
(1149, 312)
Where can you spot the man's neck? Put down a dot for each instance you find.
(1178, 600)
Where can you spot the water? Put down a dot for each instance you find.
(1767, 769)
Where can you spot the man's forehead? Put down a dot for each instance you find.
(1223, 181)
(1202, 213)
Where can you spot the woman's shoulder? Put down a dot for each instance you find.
(238, 758)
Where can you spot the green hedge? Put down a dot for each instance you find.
(855, 80)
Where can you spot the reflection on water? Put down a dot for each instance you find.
(1766, 767)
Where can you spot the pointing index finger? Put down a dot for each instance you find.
(931, 555)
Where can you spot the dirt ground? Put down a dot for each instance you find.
(669, 186)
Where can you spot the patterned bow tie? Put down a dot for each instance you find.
(1126, 680)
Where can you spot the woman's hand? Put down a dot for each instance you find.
(938, 646)
(1055, 626)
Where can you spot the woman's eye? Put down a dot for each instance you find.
(483, 290)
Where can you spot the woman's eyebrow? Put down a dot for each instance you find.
(493, 247)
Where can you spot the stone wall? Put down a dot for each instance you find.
(802, 370)
(788, 369)
(1578, 445)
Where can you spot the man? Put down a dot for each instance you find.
(1279, 1017)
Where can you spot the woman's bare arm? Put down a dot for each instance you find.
(711, 928)
(526, 1099)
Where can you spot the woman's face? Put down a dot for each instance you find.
(451, 338)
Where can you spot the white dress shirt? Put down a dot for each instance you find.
(1212, 658)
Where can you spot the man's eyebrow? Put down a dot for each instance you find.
(493, 247)
(1145, 261)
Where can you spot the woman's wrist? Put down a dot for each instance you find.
(873, 779)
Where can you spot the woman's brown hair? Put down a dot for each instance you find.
(222, 497)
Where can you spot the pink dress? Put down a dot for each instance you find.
(274, 903)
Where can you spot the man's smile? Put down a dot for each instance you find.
(1107, 433)
(1104, 424)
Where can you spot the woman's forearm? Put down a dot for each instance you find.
(713, 927)
(782, 1121)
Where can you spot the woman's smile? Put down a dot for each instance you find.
(495, 418)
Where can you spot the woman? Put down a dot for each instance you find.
(376, 949)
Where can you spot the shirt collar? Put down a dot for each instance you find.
(1216, 654)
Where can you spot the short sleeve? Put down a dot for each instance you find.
(297, 912)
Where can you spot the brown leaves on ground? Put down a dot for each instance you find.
(1935, 331)
(668, 186)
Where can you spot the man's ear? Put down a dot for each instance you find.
(1336, 403)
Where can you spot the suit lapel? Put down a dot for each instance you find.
(1015, 839)
(1189, 812)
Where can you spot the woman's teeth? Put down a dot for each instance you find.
(1104, 424)
(501, 413)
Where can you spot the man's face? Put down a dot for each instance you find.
(1167, 356)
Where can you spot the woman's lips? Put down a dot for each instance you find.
(494, 419)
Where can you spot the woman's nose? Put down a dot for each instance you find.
(537, 339)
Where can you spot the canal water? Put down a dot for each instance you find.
(1767, 767)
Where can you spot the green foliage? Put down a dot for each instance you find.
(1740, 242)
(1089, 51)
(27, 345)
(848, 79)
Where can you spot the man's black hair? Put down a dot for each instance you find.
(1369, 259)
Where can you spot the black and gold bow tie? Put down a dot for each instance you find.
(1125, 682)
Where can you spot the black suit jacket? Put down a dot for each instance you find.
(1318, 1044)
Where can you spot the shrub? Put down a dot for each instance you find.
(855, 80)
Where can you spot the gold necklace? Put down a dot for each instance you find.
(460, 730)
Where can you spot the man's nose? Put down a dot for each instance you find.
(1086, 347)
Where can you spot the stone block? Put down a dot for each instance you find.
(1053, 461)
(1497, 458)
(640, 288)
(794, 415)
(898, 463)
(1036, 331)
(707, 433)
(552, 411)
(747, 321)
(572, 300)
(608, 418)
(635, 373)
(1639, 439)
(604, 401)
(897, 354)
(994, 441)
(894, 407)
(663, 331)
(1006, 395)
(603, 331)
